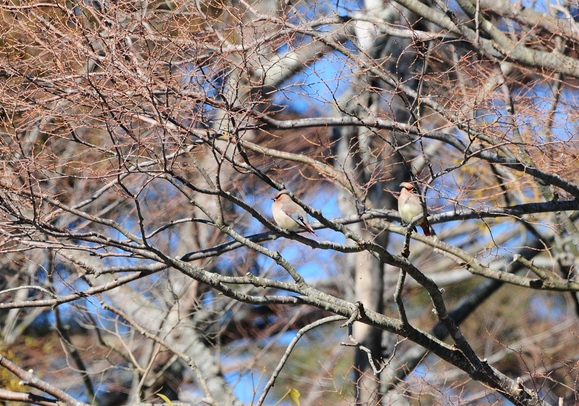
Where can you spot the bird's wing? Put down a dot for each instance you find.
(294, 215)
(300, 218)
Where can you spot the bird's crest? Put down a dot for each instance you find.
(280, 193)
(408, 186)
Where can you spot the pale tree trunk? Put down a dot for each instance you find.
(369, 287)
(383, 171)
(368, 276)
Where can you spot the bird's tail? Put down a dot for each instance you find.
(310, 230)
(426, 229)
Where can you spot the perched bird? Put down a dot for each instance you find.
(410, 206)
(289, 215)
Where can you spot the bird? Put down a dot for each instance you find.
(410, 206)
(288, 214)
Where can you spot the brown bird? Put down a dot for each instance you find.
(289, 215)
(410, 206)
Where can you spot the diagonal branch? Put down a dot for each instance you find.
(29, 379)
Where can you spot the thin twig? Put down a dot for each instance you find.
(398, 297)
(289, 350)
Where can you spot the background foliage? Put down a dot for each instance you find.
(142, 142)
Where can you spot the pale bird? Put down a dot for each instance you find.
(410, 206)
(289, 215)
